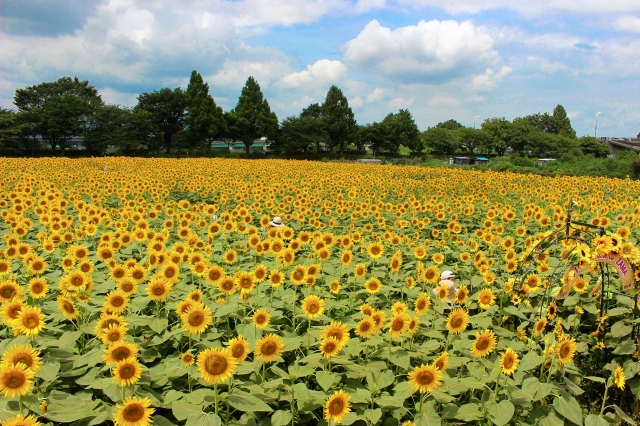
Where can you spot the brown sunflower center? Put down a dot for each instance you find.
(456, 321)
(238, 351)
(158, 290)
(425, 378)
(482, 343)
(127, 371)
(215, 365)
(31, 321)
(508, 362)
(133, 413)
(336, 407)
(117, 301)
(8, 292)
(196, 318)
(268, 348)
(397, 325)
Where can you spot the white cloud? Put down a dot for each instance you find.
(429, 52)
(445, 101)
(356, 102)
(573, 114)
(401, 103)
(490, 78)
(375, 96)
(116, 97)
(304, 102)
(321, 73)
(546, 65)
(236, 72)
(364, 6)
(629, 23)
(533, 7)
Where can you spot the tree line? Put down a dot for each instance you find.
(176, 120)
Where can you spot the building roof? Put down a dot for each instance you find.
(482, 158)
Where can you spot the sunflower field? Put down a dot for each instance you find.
(155, 291)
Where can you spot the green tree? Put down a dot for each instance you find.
(314, 112)
(301, 133)
(108, 126)
(450, 125)
(338, 118)
(402, 130)
(472, 139)
(39, 105)
(167, 108)
(440, 140)
(376, 135)
(204, 120)
(590, 145)
(62, 118)
(562, 122)
(11, 128)
(252, 117)
(500, 130)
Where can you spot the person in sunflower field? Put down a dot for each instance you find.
(276, 222)
(447, 280)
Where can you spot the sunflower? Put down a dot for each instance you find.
(334, 286)
(116, 302)
(5, 267)
(127, 286)
(187, 359)
(398, 325)
(330, 347)
(539, 327)
(484, 344)
(15, 380)
(366, 327)
(366, 309)
(422, 304)
(552, 310)
(239, 348)
(20, 420)
(346, 257)
(216, 365)
(618, 377)
(260, 273)
(261, 318)
(134, 411)
(113, 333)
(442, 362)
(170, 272)
(312, 306)
(461, 295)
(457, 321)
(431, 274)
(119, 351)
(30, 321)
(230, 257)
(425, 378)
(298, 275)
(8, 289)
(268, 348)
(360, 270)
(37, 266)
(413, 325)
(158, 289)
(580, 285)
(509, 362)
(25, 354)
(373, 285)
(214, 274)
(337, 330)
(196, 318)
(378, 318)
(118, 273)
(276, 278)
(11, 310)
(337, 407)
(245, 282)
(566, 350)
(127, 372)
(486, 298)
(227, 285)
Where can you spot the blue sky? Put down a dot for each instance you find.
(440, 59)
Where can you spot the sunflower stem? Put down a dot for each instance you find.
(293, 408)
(293, 311)
(495, 392)
(123, 394)
(308, 336)
(20, 403)
(604, 399)
(215, 398)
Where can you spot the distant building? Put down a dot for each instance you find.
(461, 160)
(544, 161)
(260, 145)
(480, 160)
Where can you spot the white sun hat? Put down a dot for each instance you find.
(447, 275)
(277, 222)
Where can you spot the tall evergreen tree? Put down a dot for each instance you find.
(252, 117)
(339, 119)
(203, 119)
(563, 124)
